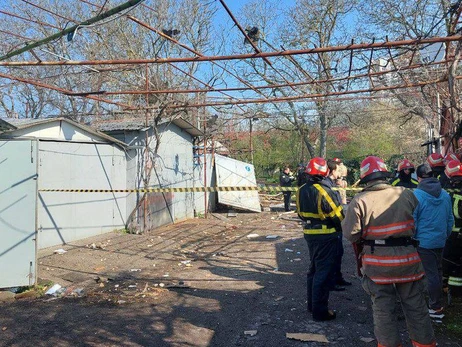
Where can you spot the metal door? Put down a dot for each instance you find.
(18, 196)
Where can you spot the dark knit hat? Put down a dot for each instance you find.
(424, 171)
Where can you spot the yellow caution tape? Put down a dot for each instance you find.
(260, 188)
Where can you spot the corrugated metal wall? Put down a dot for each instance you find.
(172, 166)
(66, 217)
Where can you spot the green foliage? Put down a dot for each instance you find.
(379, 130)
(370, 129)
(272, 150)
(39, 289)
(23, 289)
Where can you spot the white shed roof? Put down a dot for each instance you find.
(52, 129)
(140, 123)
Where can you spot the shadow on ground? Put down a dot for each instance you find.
(211, 285)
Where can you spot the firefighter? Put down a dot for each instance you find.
(380, 219)
(301, 175)
(404, 179)
(436, 162)
(452, 254)
(320, 208)
(285, 180)
(444, 178)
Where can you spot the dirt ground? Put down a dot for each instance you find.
(202, 282)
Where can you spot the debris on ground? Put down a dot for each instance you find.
(60, 251)
(236, 285)
(307, 337)
(250, 332)
(53, 290)
(367, 339)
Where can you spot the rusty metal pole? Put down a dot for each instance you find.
(205, 168)
(146, 151)
(251, 142)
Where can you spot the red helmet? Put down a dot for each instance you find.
(317, 167)
(405, 165)
(435, 160)
(453, 168)
(450, 156)
(373, 168)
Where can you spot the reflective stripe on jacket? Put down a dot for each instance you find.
(398, 182)
(381, 231)
(457, 211)
(379, 212)
(320, 206)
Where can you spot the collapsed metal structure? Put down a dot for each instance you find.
(368, 81)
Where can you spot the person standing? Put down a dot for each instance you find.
(452, 254)
(380, 217)
(436, 162)
(301, 175)
(322, 212)
(285, 180)
(404, 179)
(434, 222)
(334, 180)
(444, 178)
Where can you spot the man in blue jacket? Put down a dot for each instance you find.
(434, 221)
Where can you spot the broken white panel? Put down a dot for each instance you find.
(234, 173)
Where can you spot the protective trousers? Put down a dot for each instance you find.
(323, 251)
(287, 200)
(412, 298)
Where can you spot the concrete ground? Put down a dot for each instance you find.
(220, 281)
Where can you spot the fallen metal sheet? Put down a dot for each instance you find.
(234, 173)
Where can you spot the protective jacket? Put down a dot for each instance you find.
(452, 256)
(302, 177)
(285, 180)
(456, 199)
(404, 180)
(384, 213)
(319, 205)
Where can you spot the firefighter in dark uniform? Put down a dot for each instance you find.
(452, 254)
(320, 208)
(444, 178)
(285, 180)
(436, 162)
(404, 179)
(301, 175)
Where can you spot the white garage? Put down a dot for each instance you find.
(56, 154)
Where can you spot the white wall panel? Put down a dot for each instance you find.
(18, 193)
(66, 217)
